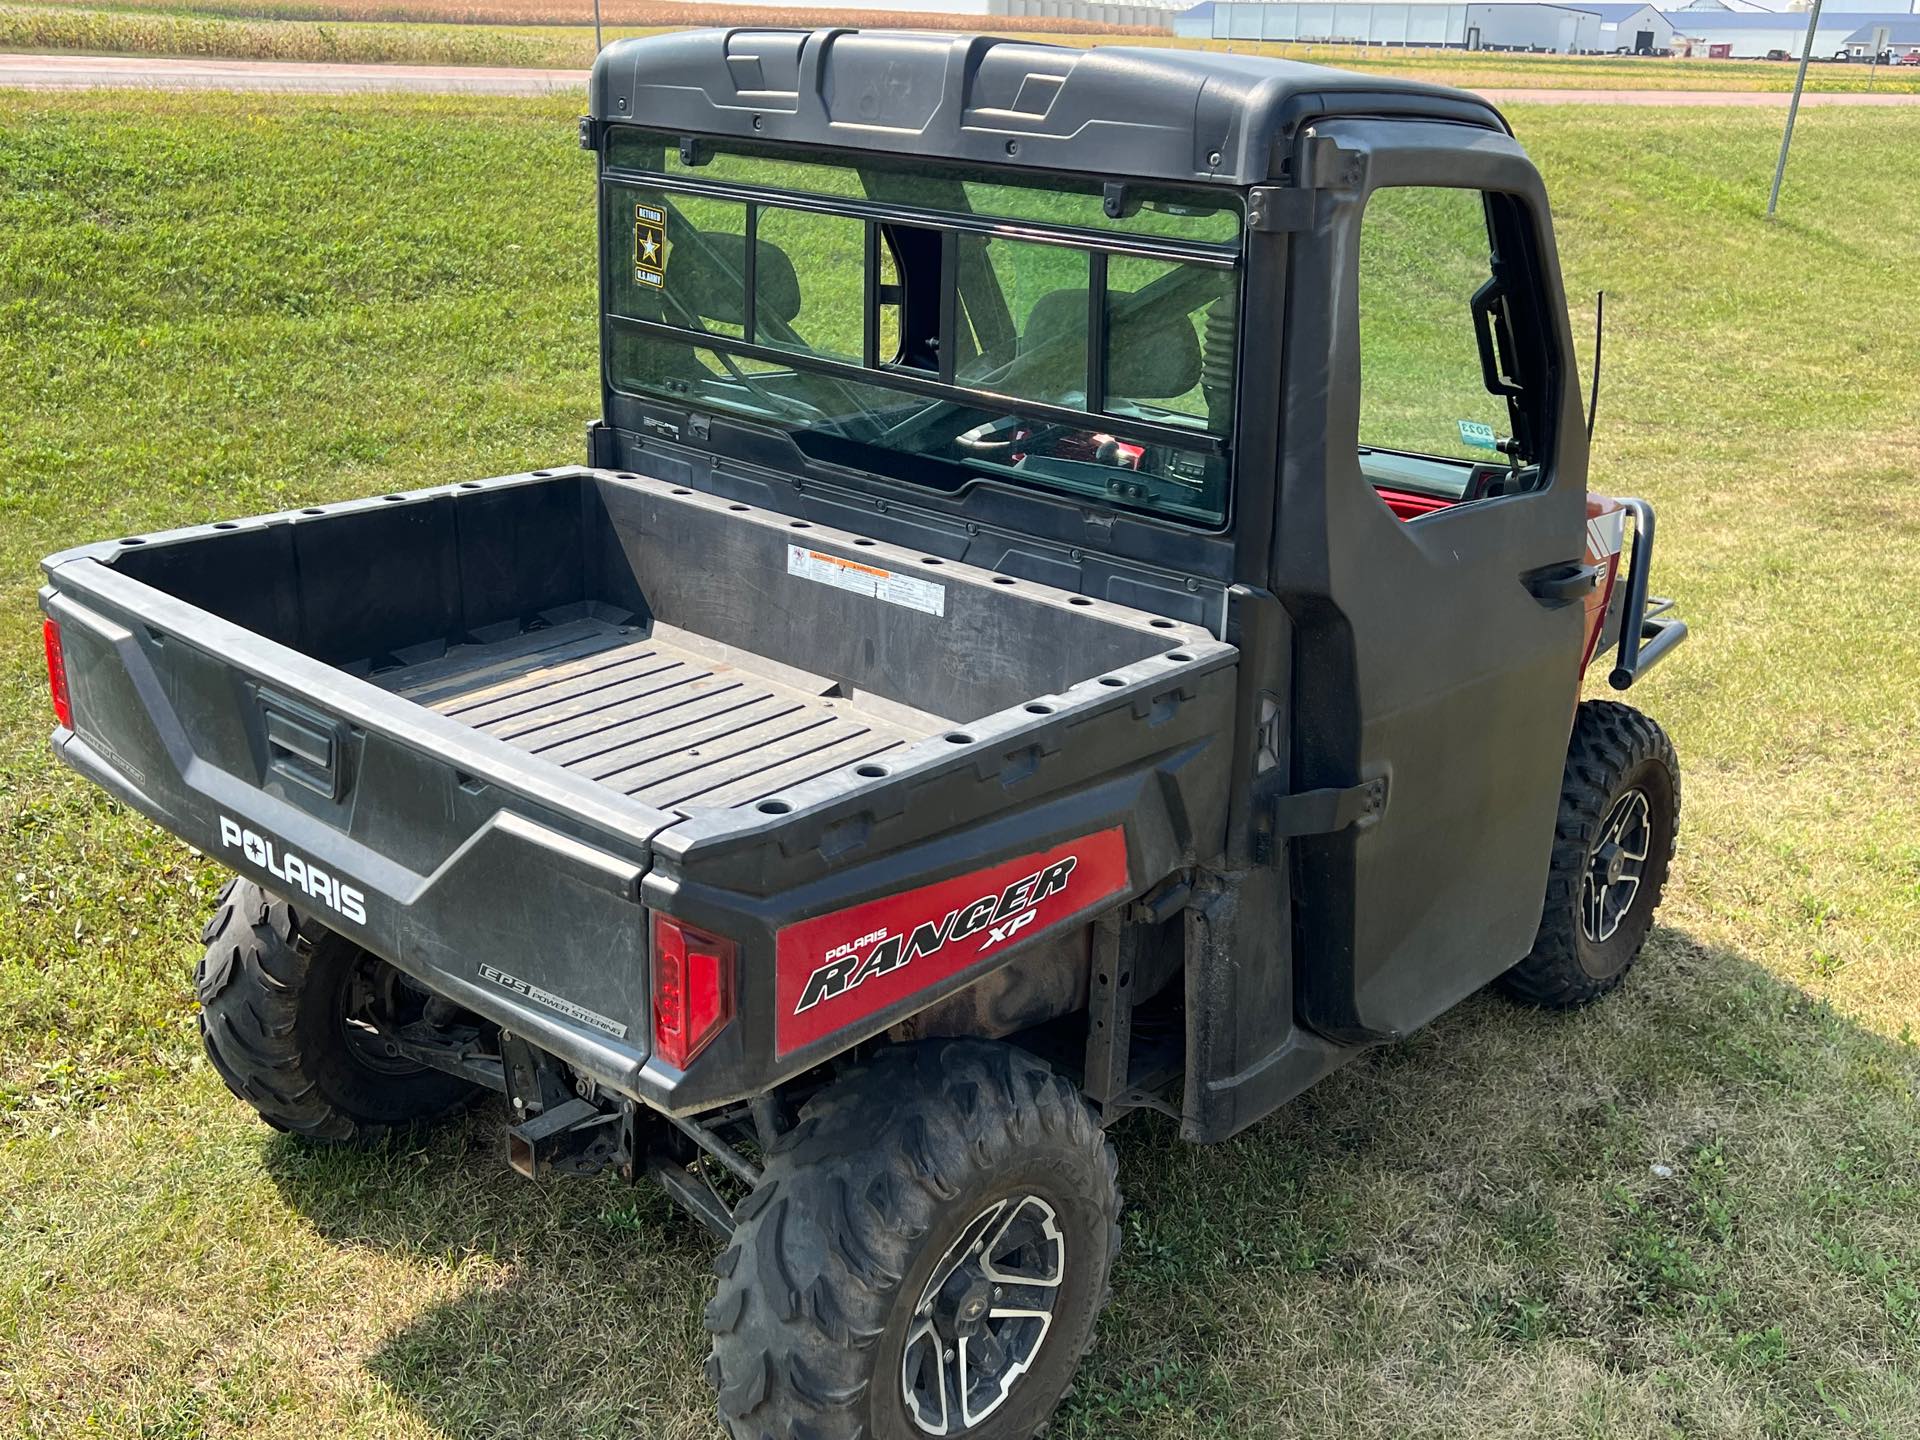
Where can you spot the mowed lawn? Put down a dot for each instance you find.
(1691, 1211)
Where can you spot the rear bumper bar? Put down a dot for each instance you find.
(1647, 632)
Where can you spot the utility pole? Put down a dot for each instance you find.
(596, 27)
(1793, 107)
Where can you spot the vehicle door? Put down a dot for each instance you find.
(1430, 546)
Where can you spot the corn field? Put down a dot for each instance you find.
(647, 14)
(56, 28)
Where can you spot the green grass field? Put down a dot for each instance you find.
(274, 30)
(1691, 1211)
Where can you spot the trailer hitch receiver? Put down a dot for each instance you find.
(559, 1131)
(577, 1138)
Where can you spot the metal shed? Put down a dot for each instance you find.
(1509, 26)
(1751, 34)
(1637, 29)
(1899, 34)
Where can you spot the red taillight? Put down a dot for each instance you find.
(57, 675)
(692, 990)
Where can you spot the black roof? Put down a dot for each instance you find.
(1167, 114)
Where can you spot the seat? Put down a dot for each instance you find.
(707, 275)
(1159, 361)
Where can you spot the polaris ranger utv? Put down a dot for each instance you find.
(1077, 603)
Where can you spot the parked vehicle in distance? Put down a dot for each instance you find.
(1077, 603)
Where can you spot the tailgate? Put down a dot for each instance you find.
(509, 887)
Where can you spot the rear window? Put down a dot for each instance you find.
(939, 325)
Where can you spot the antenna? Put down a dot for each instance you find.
(1599, 333)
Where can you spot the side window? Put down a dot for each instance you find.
(1446, 391)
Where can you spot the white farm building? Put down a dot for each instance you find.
(1636, 29)
(1753, 34)
(1569, 28)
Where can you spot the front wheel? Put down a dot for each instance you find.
(925, 1255)
(1612, 845)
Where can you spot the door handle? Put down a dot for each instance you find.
(1561, 584)
(1494, 336)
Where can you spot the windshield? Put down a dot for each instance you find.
(932, 325)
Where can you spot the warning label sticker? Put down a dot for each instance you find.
(870, 580)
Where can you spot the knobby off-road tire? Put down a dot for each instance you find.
(275, 991)
(889, 1173)
(1622, 784)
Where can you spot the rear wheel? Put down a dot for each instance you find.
(291, 1015)
(925, 1254)
(1613, 843)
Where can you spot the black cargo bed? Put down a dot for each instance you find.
(666, 717)
(622, 644)
(478, 728)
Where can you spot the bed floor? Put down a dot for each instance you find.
(664, 716)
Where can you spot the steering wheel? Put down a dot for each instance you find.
(1000, 437)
